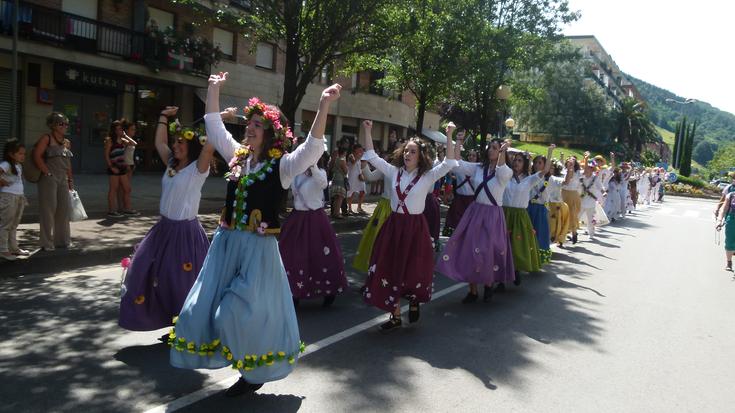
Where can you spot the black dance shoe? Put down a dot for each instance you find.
(413, 312)
(295, 302)
(392, 323)
(242, 387)
(487, 294)
(469, 298)
(574, 238)
(517, 281)
(328, 301)
(500, 288)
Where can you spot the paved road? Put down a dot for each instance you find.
(638, 320)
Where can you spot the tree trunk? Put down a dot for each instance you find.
(420, 112)
(290, 101)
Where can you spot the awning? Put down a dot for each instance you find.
(225, 101)
(435, 136)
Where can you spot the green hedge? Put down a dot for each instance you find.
(697, 183)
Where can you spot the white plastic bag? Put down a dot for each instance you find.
(77, 209)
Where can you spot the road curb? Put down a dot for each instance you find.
(65, 260)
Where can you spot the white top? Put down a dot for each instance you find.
(518, 192)
(466, 189)
(573, 184)
(353, 176)
(181, 193)
(130, 155)
(416, 199)
(605, 175)
(553, 190)
(308, 191)
(15, 182)
(371, 176)
(290, 165)
(596, 189)
(496, 185)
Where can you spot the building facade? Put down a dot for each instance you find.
(101, 60)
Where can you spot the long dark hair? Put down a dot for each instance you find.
(11, 148)
(425, 162)
(576, 163)
(484, 155)
(193, 150)
(113, 133)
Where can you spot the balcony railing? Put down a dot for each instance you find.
(71, 31)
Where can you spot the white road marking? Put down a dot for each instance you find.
(223, 384)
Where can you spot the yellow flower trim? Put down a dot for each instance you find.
(188, 135)
(242, 151)
(187, 266)
(140, 299)
(247, 363)
(275, 153)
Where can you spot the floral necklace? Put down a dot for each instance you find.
(244, 180)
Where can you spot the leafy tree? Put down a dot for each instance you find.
(723, 160)
(649, 158)
(500, 37)
(634, 129)
(560, 100)
(704, 151)
(423, 58)
(313, 34)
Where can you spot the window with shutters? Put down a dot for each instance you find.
(225, 40)
(160, 19)
(265, 57)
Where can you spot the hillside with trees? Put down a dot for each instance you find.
(715, 127)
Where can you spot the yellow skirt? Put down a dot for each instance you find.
(365, 249)
(558, 221)
(574, 202)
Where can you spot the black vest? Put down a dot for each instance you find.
(262, 203)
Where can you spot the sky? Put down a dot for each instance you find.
(686, 47)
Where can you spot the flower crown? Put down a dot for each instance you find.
(175, 128)
(283, 139)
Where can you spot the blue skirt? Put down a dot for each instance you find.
(540, 220)
(239, 312)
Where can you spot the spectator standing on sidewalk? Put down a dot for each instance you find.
(356, 180)
(337, 189)
(52, 158)
(117, 171)
(12, 198)
(130, 131)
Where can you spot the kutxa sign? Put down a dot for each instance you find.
(81, 77)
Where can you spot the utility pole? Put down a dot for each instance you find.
(14, 75)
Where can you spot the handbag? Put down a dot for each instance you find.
(77, 209)
(31, 173)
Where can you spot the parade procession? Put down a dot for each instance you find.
(358, 206)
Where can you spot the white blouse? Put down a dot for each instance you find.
(375, 175)
(595, 189)
(290, 165)
(497, 185)
(573, 184)
(466, 189)
(553, 190)
(416, 199)
(181, 193)
(518, 194)
(605, 175)
(308, 191)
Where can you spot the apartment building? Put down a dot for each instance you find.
(100, 60)
(606, 73)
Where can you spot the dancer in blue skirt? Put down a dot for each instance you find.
(240, 313)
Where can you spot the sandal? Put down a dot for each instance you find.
(392, 323)
(413, 312)
(487, 294)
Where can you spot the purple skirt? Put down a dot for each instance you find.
(479, 250)
(163, 269)
(432, 212)
(457, 209)
(402, 263)
(311, 255)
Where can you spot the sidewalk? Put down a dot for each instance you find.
(100, 240)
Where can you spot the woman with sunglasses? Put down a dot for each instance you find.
(53, 159)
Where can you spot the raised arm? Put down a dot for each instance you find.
(370, 155)
(205, 158)
(308, 154)
(547, 166)
(449, 162)
(164, 152)
(450, 142)
(217, 134)
(371, 175)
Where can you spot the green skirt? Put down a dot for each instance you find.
(365, 249)
(523, 241)
(730, 232)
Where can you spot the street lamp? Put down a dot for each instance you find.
(678, 138)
